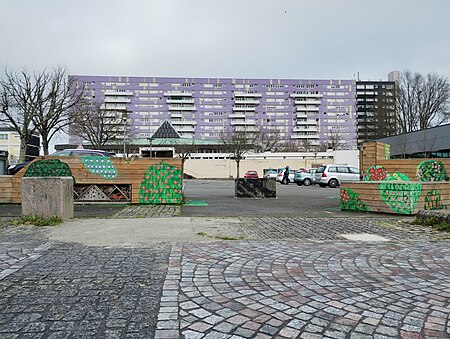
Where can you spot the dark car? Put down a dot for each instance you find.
(13, 169)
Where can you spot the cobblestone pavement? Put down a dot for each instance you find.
(249, 289)
(149, 211)
(315, 285)
(61, 290)
(332, 228)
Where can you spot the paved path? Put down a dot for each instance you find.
(307, 290)
(193, 285)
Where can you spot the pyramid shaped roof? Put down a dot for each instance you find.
(165, 131)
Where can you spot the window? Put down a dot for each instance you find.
(342, 169)
(332, 170)
(3, 136)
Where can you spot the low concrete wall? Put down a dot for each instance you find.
(255, 188)
(48, 196)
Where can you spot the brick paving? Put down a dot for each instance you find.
(248, 289)
(270, 228)
(64, 290)
(314, 285)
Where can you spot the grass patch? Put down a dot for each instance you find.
(37, 221)
(219, 237)
(435, 223)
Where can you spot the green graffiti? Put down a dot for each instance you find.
(397, 176)
(431, 170)
(433, 201)
(48, 168)
(350, 200)
(400, 197)
(102, 166)
(375, 173)
(162, 184)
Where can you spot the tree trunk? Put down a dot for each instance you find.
(23, 149)
(45, 144)
(237, 168)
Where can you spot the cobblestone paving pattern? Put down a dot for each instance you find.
(149, 211)
(331, 228)
(70, 290)
(247, 289)
(20, 245)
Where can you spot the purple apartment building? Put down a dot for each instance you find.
(308, 112)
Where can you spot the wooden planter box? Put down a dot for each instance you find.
(140, 180)
(391, 196)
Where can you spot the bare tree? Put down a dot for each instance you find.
(97, 125)
(334, 140)
(184, 150)
(58, 96)
(422, 101)
(267, 140)
(238, 143)
(18, 97)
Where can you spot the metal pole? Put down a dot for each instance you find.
(124, 133)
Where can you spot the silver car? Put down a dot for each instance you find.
(333, 175)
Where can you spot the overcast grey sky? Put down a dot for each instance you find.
(230, 38)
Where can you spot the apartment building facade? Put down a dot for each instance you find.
(301, 111)
(375, 105)
(10, 143)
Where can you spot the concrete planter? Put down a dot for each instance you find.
(48, 196)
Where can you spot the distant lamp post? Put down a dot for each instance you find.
(150, 141)
(124, 119)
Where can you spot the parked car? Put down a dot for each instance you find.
(270, 173)
(333, 175)
(306, 177)
(13, 169)
(280, 175)
(251, 174)
(81, 153)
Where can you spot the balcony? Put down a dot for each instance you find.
(180, 101)
(185, 128)
(246, 101)
(307, 109)
(181, 108)
(246, 94)
(119, 100)
(184, 122)
(176, 115)
(243, 122)
(309, 137)
(113, 107)
(177, 94)
(306, 122)
(245, 128)
(237, 115)
(304, 95)
(244, 108)
(304, 129)
(307, 102)
(117, 93)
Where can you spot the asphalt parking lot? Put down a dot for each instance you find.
(291, 201)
